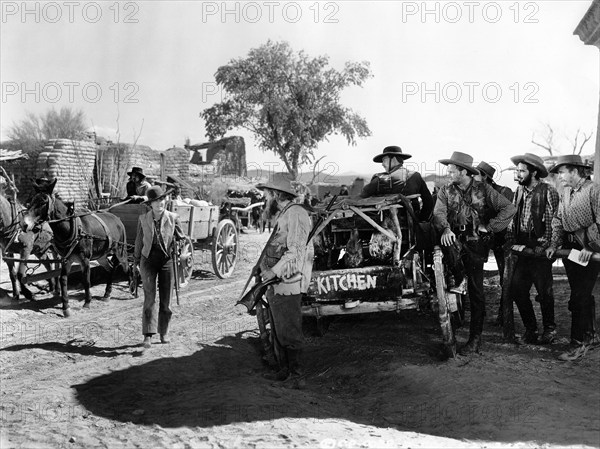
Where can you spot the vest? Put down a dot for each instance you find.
(273, 251)
(469, 207)
(538, 209)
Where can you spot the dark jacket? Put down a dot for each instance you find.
(400, 180)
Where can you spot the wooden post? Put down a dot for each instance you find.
(588, 31)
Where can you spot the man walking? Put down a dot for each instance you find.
(536, 203)
(576, 226)
(286, 255)
(466, 214)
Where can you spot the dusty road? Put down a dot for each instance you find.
(374, 381)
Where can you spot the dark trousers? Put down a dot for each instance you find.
(468, 258)
(536, 271)
(581, 302)
(499, 256)
(156, 317)
(286, 311)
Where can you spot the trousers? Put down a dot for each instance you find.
(156, 317)
(581, 302)
(468, 258)
(538, 272)
(286, 311)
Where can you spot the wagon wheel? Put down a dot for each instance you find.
(273, 352)
(185, 267)
(224, 248)
(450, 315)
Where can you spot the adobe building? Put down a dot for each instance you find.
(588, 31)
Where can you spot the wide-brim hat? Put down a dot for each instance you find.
(569, 159)
(137, 171)
(486, 169)
(531, 159)
(281, 182)
(155, 193)
(392, 151)
(462, 160)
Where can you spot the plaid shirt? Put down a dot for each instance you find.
(579, 209)
(526, 222)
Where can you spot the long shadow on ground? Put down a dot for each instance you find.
(381, 371)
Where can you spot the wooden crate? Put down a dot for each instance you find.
(198, 221)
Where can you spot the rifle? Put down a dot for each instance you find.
(135, 280)
(256, 269)
(175, 270)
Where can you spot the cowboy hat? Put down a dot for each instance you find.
(531, 159)
(137, 171)
(392, 151)
(462, 160)
(569, 159)
(154, 193)
(280, 182)
(486, 169)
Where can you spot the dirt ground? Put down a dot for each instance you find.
(374, 381)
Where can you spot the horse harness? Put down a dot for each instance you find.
(77, 232)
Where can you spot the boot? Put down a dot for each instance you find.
(279, 376)
(297, 374)
(472, 346)
(147, 341)
(530, 337)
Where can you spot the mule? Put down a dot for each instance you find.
(80, 237)
(13, 240)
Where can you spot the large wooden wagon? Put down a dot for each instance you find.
(205, 230)
(371, 255)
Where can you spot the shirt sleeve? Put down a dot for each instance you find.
(504, 208)
(371, 188)
(593, 231)
(440, 211)
(426, 198)
(558, 230)
(552, 201)
(298, 228)
(139, 241)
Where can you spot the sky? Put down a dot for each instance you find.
(475, 76)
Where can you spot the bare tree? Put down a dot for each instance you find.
(548, 141)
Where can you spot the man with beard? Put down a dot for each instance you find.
(286, 255)
(577, 226)
(536, 203)
(397, 179)
(466, 214)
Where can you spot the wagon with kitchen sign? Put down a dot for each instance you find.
(206, 228)
(372, 255)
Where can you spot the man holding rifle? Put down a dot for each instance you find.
(576, 226)
(536, 204)
(286, 255)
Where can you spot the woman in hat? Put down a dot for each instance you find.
(156, 233)
(397, 179)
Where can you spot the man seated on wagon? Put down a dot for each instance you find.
(137, 185)
(397, 179)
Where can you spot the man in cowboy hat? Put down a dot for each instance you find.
(536, 204)
(486, 174)
(576, 225)
(397, 179)
(137, 185)
(156, 232)
(466, 214)
(286, 255)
